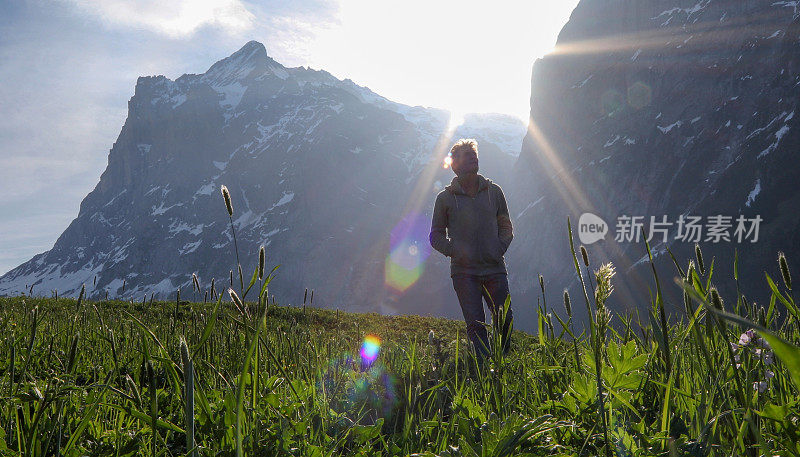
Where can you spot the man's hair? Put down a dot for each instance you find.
(464, 144)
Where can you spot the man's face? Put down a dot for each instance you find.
(465, 161)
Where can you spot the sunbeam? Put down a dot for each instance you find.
(409, 245)
(693, 35)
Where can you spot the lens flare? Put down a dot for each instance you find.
(359, 392)
(612, 102)
(639, 95)
(399, 278)
(448, 161)
(370, 349)
(409, 249)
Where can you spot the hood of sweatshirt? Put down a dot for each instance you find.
(455, 186)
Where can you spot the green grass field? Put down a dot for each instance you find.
(230, 378)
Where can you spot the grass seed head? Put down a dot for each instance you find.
(261, 260)
(567, 305)
(604, 287)
(227, 196)
(602, 318)
(236, 300)
(716, 300)
(697, 253)
(585, 256)
(541, 283)
(184, 352)
(787, 278)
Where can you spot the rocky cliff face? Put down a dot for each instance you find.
(654, 108)
(336, 181)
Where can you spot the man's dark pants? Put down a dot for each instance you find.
(470, 291)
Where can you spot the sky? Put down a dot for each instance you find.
(69, 67)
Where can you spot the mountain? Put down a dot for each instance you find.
(662, 109)
(335, 181)
(645, 109)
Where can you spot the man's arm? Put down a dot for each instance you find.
(438, 236)
(504, 230)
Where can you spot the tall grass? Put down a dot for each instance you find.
(236, 377)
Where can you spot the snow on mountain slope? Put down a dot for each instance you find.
(319, 170)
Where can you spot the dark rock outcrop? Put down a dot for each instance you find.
(662, 109)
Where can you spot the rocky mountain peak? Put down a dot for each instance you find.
(319, 170)
(249, 61)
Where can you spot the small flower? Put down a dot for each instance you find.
(746, 337)
(734, 346)
(603, 277)
(761, 342)
(760, 386)
(768, 358)
(769, 374)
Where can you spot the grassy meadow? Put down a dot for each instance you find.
(239, 375)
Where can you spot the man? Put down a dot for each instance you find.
(472, 210)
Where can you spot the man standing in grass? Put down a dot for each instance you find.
(472, 211)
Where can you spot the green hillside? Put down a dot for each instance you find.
(116, 378)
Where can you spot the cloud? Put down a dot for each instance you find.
(174, 18)
(289, 29)
(463, 56)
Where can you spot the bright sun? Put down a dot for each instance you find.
(462, 56)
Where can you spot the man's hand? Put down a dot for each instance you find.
(438, 235)
(504, 229)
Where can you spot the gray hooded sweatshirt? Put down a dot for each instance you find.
(479, 228)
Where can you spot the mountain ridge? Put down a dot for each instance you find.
(318, 169)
